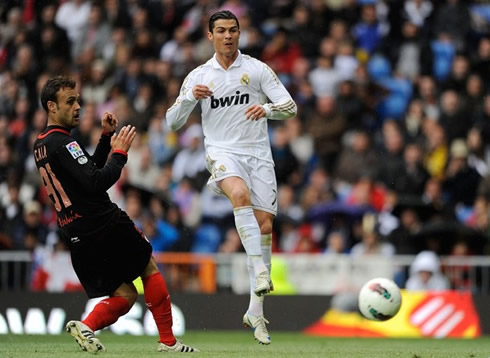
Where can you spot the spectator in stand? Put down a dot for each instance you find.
(300, 141)
(454, 19)
(371, 243)
(461, 181)
(280, 53)
(95, 34)
(481, 59)
(324, 78)
(288, 205)
(425, 274)
(436, 151)
(31, 224)
(356, 158)
(368, 32)
(478, 152)
(460, 71)
(391, 155)
(345, 61)
(418, 12)
(427, 93)
(326, 126)
(303, 31)
(286, 163)
(349, 103)
(413, 176)
(172, 50)
(99, 83)
(190, 160)
(474, 96)
(73, 16)
(336, 243)
(404, 237)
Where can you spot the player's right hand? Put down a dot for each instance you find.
(123, 139)
(201, 91)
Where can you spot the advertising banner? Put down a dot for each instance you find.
(422, 314)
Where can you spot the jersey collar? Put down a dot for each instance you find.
(236, 63)
(51, 129)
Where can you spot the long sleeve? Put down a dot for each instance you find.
(86, 173)
(178, 114)
(282, 106)
(102, 150)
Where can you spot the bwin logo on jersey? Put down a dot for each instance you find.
(230, 100)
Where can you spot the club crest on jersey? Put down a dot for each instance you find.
(230, 100)
(82, 160)
(74, 149)
(245, 80)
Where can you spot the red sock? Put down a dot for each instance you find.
(106, 312)
(157, 300)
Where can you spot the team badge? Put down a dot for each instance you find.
(74, 149)
(245, 79)
(82, 160)
(211, 85)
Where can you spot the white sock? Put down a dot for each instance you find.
(249, 232)
(256, 304)
(266, 248)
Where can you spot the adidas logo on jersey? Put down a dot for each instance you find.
(230, 100)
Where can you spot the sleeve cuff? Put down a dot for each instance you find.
(108, 134)
(267, 109)
(121, 152)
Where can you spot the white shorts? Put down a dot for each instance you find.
(258, 174)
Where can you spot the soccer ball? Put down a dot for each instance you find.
(379, 299)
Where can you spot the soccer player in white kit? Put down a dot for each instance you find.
(237, 94)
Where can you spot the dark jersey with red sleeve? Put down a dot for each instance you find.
(76, 182)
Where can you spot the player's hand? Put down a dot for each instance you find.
(255, 112)
(123, 139)
(109, 122)
(201, 91)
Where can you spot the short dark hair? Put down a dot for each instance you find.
(222, 15)
(52, 86)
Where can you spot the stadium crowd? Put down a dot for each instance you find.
(389, 152)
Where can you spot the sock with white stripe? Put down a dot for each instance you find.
(256, 304)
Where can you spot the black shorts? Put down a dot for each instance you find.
(105, 260)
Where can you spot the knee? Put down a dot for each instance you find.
(130, 294)
(265, 222)
(240, 197)
(266, 228)
(131, 297)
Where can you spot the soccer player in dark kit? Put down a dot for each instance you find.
(108, 251)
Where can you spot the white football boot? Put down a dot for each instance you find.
(262, 283)
(85, 337)
(257, 323)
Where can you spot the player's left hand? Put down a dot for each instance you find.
(255, 112)
(109, 122)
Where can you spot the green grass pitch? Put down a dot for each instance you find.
(241, 344)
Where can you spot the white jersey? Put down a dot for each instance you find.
(247, 82)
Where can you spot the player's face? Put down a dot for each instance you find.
(68, 107)
(225, 37)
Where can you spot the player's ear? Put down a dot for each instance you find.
(210, 36)
(52, 106)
